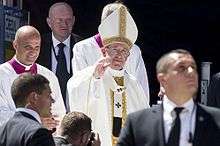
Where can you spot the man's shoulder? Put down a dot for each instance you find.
(145, 113)
(76, 37)
(210, 112)
(216, 76)
(86, 42)
(5, 68)
(209, 109)
(45, 71)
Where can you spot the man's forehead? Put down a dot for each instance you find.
(59, 9)
(177, 58)
(118, 46)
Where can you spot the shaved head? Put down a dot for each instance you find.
(26, 31)
(27, 44)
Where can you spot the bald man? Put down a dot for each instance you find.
(27, 46)
(61, 21)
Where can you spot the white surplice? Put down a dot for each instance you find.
(87, 52)
(92, 97)
(7, 106)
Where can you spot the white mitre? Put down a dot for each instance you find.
(118, 27)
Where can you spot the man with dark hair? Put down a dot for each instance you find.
(75, 129)
(179, 120)
(32, 97)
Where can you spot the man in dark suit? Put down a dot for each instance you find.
(178, 121)
(214, 91)
(56, 47)
(75, 130)
(31, 94)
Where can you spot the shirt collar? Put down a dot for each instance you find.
(27, 67)
(169, 106)
(31, 112)
(56, 42)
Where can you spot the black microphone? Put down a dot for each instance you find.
(190, 137)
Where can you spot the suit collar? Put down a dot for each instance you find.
(30, 112)
(202, 122)
(157, 111)
(27, 115)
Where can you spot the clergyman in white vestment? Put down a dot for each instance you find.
(105, 91)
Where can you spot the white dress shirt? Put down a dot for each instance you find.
(66, 52)
(187, 117)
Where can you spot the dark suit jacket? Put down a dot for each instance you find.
(214, 91)
(59, 141)
(145, 128)
(24, 130)
(46, 45)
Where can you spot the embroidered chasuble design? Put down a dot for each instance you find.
(119, 112)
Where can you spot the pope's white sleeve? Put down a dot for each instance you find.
(79, 61)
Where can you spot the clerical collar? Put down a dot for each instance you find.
(21, 68)
(56, 42)
(116, 73)
(168, 105)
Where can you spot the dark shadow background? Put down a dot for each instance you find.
(163, 25)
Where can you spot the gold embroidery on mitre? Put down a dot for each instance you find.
(117, 39)
(122, 22)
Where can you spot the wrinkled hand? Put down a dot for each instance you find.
(96, 141)
(101, 66)
(50, 123)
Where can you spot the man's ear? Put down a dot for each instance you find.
(48, 22)
(161, 77)
(85, 139)
(74, 19)
(32, 98)
(15, 45)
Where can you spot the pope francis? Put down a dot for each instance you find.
(105, 91)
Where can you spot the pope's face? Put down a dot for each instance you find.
(118, 54)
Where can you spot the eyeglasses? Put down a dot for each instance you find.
(115, 51)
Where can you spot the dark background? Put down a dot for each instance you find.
(163, 25)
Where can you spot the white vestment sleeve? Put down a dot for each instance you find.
(78, 89)
(79, 60)
(136, 67)
(5, 111)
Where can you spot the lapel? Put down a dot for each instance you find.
(202, 122)
(157, 111)
(46, 50)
